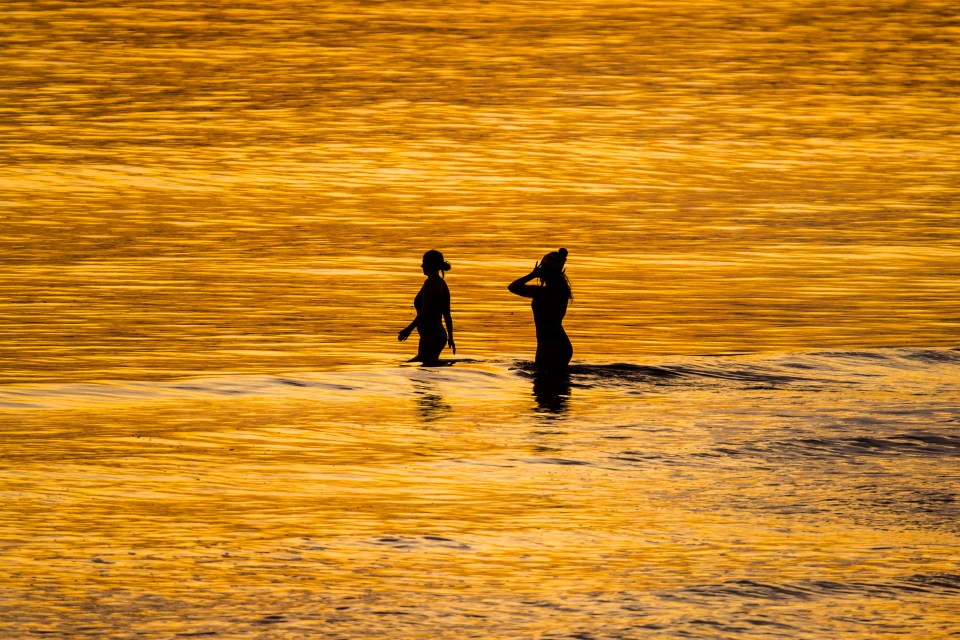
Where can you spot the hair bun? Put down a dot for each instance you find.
(446, 266)
(562, 252)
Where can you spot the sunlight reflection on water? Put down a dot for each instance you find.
(213, 218)
(200, 155)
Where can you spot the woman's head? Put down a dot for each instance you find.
(551, 271)
(433, 261)
(555, 260)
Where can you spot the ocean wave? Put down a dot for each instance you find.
(822, 370)
(944, 584)
(918, 444)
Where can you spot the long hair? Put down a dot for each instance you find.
(556, 278)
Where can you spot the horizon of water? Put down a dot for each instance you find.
(212, 223)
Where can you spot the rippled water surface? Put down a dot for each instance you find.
(212, 221)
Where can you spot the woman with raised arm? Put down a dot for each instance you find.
(432, 304)
(550, 298)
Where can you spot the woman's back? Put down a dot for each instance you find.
(549, 307)
(549, 302)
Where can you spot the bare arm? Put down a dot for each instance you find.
(444, 294)
(449, 320)
(405, 332)
(521, 288)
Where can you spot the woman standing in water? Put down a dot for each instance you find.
(549, 305)
(432, 303)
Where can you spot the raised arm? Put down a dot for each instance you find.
(521, 288)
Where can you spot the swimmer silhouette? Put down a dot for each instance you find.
(549, 304)
(432, 303)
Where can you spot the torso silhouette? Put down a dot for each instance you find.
(553, 346)
(432, 301)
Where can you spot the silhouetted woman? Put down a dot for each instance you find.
(432, 304)
(550, 299)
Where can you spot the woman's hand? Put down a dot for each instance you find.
(452, 346)
(520, 287)
(404, 334)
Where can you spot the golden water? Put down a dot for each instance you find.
(212, 220)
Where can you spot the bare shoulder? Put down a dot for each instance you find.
(436, 287)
